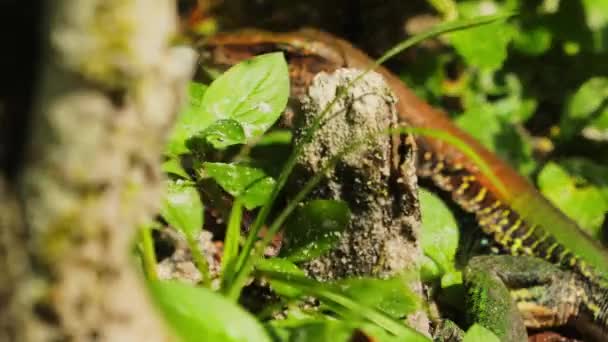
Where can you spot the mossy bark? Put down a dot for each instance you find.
(109, 90)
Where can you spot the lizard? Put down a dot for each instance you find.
(524, 224)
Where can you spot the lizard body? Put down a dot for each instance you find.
(518, 218)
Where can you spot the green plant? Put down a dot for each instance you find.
(235, 111)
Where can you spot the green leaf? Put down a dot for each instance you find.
(339, 331)
(224, 133)
(326, 331)
(601, 122)
(182, 207)
(429, 269)
(451, 278)
(199, 314)
(249, 184)
(314, 228)
(173, 166)
(231, 241)
(584, 105)
(283, 266)
(392, 295)
(514, 108)
(478, 333)
(585, 170)
(582, 202)
(533, 41)
(190, 121)
(329, 296)
(253, 92)
(440, 233)
(596, 14)
(196, 91)
(498, 135)
(485, 46)
(279, 137)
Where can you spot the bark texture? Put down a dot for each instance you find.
(377, 180)
(108, 93)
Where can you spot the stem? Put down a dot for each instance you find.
(231, 241)
(199, 260)
(148, 253)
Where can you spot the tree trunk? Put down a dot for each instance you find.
(109, 89)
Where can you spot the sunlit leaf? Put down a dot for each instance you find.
(581, 201)
(249, 184)
(189, 122)
(224, 133)
(439, 236)
(174, 166)
(392, 295)
(199, 314)
(253, 93)
(182, 207)
(498, 135)
(283, 266)
(584, 105)
(533, 41)
(478, 333)
(484, 46)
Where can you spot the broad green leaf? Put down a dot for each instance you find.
(199, 314)
(258, 193)
(249, 184)
(587, 171)
(485, 46)
(174, 166)
(533, 41)
(189, 122)
(584, 105)
(392, 295)
(182, 207)
(451, 278)
(196, 91)
(478, 333)
(581, 201)
(429, 269)
(224, 133)
(601, 122)
(314, 228)
(253, 92)
(439, 236)
(497, 135)
(596, 14)
(283, 266)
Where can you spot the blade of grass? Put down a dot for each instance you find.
(199, 260)
(241, 270)
(323, 292)
(231, 241)
(148, 253)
